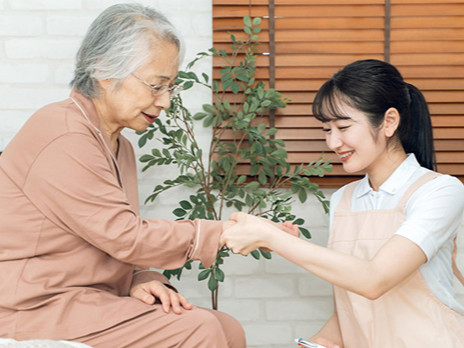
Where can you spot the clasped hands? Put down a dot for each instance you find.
(243, 233)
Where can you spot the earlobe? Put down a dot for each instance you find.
(391, 121)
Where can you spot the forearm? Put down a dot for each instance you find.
(346, 271)
(395, 261)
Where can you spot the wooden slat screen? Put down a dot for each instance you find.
(315, 38)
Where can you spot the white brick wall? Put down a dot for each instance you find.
(275, 300)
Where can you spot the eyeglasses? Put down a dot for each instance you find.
(157, 90)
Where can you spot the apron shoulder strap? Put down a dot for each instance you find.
(415, 185)
(345, 201)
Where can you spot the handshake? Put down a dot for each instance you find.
(243, 233)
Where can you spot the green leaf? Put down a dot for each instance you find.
(255, 254)
(256, 21)
(302, 195)
(209, 109)
(252, 185)
(185, 204)
(235, 88)
(204, 274)
(179, 212)
(212, 283)
(145, 158)
(219, 275)
(199, 116)
(305, 232)
(247, 21)
(266, 254)
(241, 179)
(187, 85)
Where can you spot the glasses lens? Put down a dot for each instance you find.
(158, 90)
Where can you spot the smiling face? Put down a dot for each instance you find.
(360, 147)
(130, 103)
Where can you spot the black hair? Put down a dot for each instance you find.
(373, 86)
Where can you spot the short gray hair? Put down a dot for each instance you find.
(116, 44)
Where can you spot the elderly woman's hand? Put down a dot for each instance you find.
(155, 291)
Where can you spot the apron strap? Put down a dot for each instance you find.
(456, 271)
(418, 183)
(345, 201)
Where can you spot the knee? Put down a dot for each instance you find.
(218, 327)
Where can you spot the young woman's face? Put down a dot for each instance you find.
(359, 147)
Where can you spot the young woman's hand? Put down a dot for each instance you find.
(251, 232)
(155, 291)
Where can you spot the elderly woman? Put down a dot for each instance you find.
(75, 252)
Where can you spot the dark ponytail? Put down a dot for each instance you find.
(415, 130)
(373, 86)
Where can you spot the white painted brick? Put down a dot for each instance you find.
(242, 310)
(41, 48)
(310, 285)
(29, 98)
(259, 287)
(266, 334)
(299, 309)
(242, 265)
(45, 4)
(307, 329)
(202, 27)
(68, 25)
(24, 73)
(21, 25)
(64, 73)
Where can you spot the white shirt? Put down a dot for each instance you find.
(434, 215)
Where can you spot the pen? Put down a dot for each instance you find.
(303, 343)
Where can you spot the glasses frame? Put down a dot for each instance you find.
(158, 90)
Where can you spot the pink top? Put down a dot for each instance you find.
(70, 230)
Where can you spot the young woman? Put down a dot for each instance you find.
(392, 234)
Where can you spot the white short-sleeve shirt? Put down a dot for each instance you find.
(434, 216)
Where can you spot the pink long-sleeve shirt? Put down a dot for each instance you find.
(70, 232)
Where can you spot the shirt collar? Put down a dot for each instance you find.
(399, 177)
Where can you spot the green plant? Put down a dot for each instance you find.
(239, 137)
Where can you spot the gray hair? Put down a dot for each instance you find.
(116, 44)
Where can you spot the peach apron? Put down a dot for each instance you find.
(407, 316)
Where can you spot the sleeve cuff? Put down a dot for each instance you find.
(145, 275)
(206, 241)
(418, 236)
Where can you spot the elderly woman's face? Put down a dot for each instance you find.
(131, 103)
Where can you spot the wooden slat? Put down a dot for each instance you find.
(425, 2)
(317, 11)
(428, 10)
(427, 22)
(428, 46)
(427, 34)
(330, 23)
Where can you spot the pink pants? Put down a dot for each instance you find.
(196, 328)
